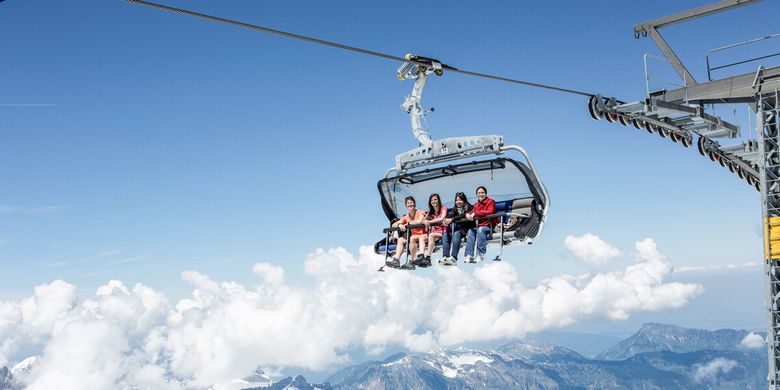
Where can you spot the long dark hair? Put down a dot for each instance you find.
(462, 197)
(431, 212)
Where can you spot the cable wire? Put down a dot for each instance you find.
(344, 47)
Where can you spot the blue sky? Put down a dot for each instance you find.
(176, 144)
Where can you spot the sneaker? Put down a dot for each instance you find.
(426, 262)
(469, 259)
(480, 257)
(394, 263)
(443, 261)
(453, 260)
(408, 266)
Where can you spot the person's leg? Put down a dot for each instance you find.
(445, 245)
(415, 241)
(483, 235)
(455, 246)
(471, 236)
(432, 243)
(399, 248)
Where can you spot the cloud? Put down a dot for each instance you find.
(134, 337)
(591, 250)
(23, 210)
(752, 341)
(682, 269)
(709, 372)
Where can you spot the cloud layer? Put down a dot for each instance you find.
(126, 337)
(752, 341)
(709, 372)
(591, 250)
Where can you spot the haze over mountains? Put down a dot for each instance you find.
(657, 356)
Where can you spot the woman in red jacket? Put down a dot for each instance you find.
(483, 207)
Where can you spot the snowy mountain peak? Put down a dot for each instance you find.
(536, 351)
(23, 368)
(257, 379)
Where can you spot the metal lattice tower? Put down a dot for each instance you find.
(679, 114)
(767, 112)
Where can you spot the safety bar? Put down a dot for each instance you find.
(454, 220)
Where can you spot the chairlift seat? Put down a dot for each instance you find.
(512, 184)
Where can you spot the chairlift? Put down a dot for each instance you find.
(461, 164)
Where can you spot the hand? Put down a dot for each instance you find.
(447, 221)
(470, 216)
(427, 223)
(402, 228)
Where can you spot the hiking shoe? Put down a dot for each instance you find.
(418, 259)
(408, 266)
(394, 263)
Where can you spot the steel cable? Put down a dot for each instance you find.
(345, 47)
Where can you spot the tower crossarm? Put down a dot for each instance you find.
(736, 89)
(651, 28)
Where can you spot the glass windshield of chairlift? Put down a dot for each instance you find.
(505, 179)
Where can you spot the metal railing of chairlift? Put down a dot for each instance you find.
(748, 42)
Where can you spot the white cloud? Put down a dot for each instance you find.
(682, 269)
(591, 250)
(752, 341)
(124, 337)
(710, 371)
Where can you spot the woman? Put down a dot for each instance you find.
(484, 207)
(412, 217)
(459, 229)
(434, 224)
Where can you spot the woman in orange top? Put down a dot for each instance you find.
(417, 235)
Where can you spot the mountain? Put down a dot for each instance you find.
(461, 368)
(534, 351)
(297, 382)
(531, 367)
(258, 379)
(6, 379)
(656, 357)
(663, 337)
(520, 365)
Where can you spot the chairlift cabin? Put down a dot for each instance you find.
(461, 164)
(521, 199)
